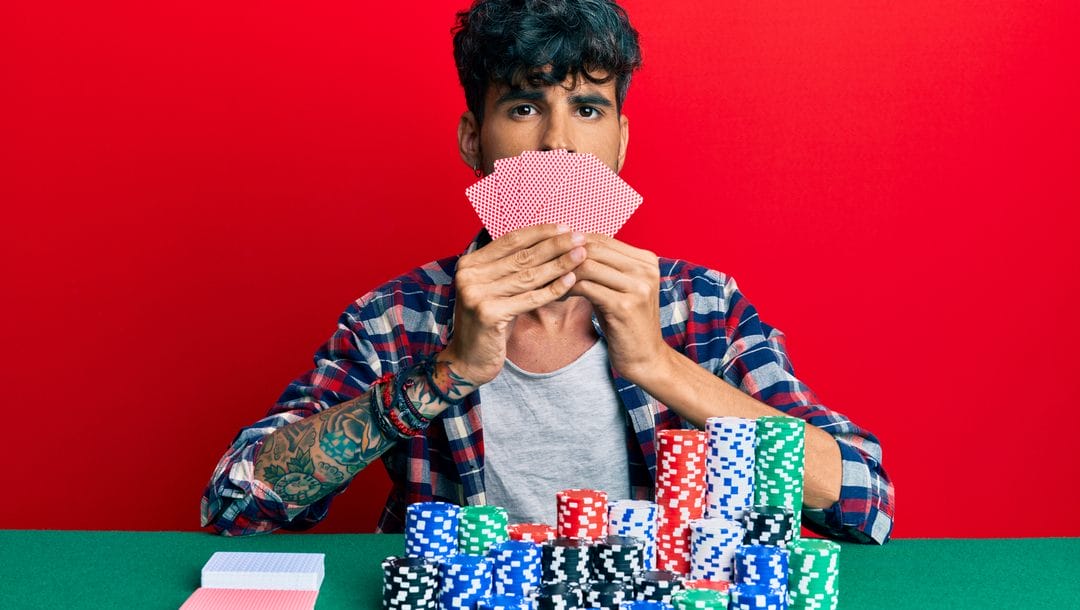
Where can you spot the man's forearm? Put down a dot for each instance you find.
(696, 395)
(307, 460)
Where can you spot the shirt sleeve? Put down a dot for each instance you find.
(756, 361)
(235, 502)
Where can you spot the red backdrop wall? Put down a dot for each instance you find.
(192, 193)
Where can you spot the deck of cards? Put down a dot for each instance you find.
(259, 581)
(556, 186)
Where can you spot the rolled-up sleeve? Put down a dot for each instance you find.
(756, 361)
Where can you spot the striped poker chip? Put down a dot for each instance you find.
(559, 596)
(705, 583)
(504, 602)
(657, 585)
(531, 532)
(762, 565)
(608, 595)
(516, 567)
(616, 558)
(680, 494)
(713, 543)
(756, 597)
(565, 560)
(700, 599)
(480, 528)
(769, 525)
(431, 530)
(813, 581)
(729, 467)
(465, 579)
(582, 513)
(635, 518)
(778, 465)
(645, 605)
(410, 583)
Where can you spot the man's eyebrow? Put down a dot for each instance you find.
(520, 95)
(590, 99)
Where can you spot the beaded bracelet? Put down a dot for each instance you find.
(380, 414)
(402, 383)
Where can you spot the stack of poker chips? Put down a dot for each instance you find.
(729, 467)
(616, 558)
(431, 530)
(565, 560)
(700, 599)
(778, 465)
(815, 570)
(756, 597)
(582, 513)
(713, 543)
(680, 494)
(504, 602)
(762, 565)
(480, 528)
(769, 525)
(657, 585)
(608, 595)
(635, 518)
(531, 532)
(559, 596)
(410, 583)
(465, 580)
(646, 605)
(516, 567)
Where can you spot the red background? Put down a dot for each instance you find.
(193, 193)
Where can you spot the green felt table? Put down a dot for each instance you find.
(78, 569)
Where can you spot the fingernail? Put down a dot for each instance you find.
(562, 228)
(577, 255)
(568, 279)
(577, 238)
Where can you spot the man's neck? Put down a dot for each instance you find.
(552, 336)
(560, 317)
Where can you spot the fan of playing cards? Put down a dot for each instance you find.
(554, 186)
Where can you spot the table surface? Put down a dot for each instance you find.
(82, 569)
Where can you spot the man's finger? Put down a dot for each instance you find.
(525, 237)
(532, 278)
(605, 275)
(533, 299)
(601, 242)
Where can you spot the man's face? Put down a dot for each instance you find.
(580, 120)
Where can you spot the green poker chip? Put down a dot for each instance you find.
(480, 528)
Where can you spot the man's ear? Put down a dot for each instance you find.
(468, 135)
(624, 140)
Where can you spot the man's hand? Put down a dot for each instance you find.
(517, 273)
(623, 284)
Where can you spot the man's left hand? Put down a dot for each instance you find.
(623, 284)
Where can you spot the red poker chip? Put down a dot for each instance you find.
(702, 583)
(531, 532)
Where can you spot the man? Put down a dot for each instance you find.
(583, 347)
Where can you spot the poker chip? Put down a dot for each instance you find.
(516, 567)
(616, 558)
(559, 596)
(680, 494)
(713, 543)
(700, 599)
(431, 530)
(504, 602)
(480, 528)
(813, 581)
(635, 518)
(705, 583)
(762, 565)
(582, 513)
(464, 580)
(657, 585)
(756, 597)
(729, 466)
(531, 532)
(565, 560)
(645, 605)
(778, 465)
(608, 595)
(769, 525)
(410, 583)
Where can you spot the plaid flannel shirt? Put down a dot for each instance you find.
(703, 316)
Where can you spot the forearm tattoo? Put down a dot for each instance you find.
(303, 471)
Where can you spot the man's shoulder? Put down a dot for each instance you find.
(681, 279)
(429, 286)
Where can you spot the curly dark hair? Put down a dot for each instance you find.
(509, 42)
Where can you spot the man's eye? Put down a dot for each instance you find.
(524, 110)
(589, 112)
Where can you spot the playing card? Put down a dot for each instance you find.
(540, 173)
(592, 198)
(249, 599)
(484, 197)
(234, 570)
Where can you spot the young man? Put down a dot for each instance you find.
(582, 346)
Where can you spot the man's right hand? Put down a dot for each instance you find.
(517, 273)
